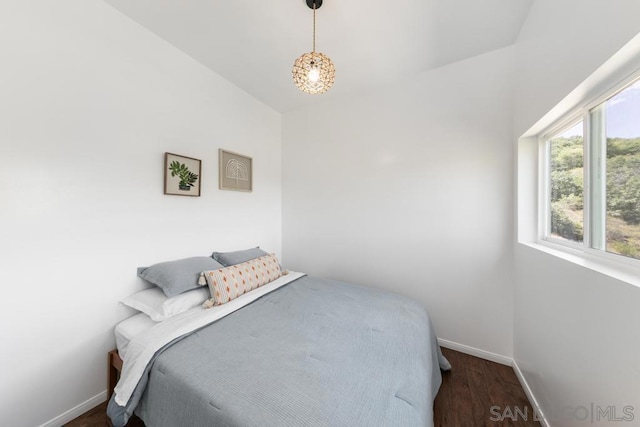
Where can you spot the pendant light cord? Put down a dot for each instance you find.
(314, 27)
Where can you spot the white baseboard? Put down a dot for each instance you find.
(74, 413)
(503, 360)
(532, 398)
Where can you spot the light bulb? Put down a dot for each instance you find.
(314, 74)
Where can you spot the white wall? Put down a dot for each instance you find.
(409, 189)
(560, 45)
(575, 329)
(89, 103)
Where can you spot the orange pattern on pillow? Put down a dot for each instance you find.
(230, 282)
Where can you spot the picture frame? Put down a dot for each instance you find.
(236, 171)
(182, 175)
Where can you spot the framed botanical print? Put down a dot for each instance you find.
(182, 175)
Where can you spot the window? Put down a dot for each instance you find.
(566, 202)
(592, 176)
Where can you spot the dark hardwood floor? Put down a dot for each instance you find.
(98, 417)
(478, 393)
(475, 393)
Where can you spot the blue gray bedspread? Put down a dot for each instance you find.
(315, 352)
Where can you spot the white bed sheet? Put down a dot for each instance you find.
(130, 328)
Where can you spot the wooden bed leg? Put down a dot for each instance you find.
(114, 368)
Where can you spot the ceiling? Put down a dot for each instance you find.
(254, 44)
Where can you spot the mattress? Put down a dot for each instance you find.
(130, 328)
(315, 352)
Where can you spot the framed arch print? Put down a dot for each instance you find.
(236, 171)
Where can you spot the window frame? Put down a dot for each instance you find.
(544, 233)
(581, 113)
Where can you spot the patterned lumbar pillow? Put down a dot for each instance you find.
(230, 282)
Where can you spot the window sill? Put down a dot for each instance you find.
(622, 270)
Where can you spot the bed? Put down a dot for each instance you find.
(300, 351)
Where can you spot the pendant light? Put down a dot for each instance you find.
(314, 72)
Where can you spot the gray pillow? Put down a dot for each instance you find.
(176, 277)
(237, 257)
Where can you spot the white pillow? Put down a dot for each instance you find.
(155, 304)
(130, 328)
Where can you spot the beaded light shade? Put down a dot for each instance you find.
(314, 72)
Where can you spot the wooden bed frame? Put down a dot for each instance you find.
(114, 368)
